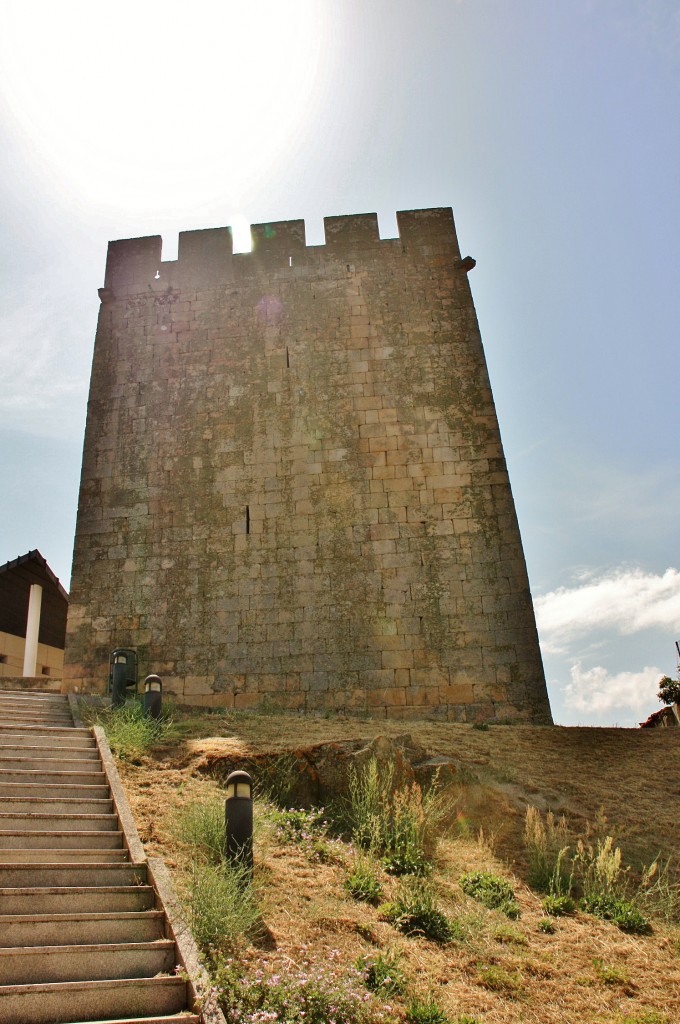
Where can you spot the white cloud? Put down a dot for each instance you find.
(595, 691)
(625, 601)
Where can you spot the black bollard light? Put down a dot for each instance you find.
(153, 697)
(238, 815)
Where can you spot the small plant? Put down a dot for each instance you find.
(610, 975)
(620, 912)
(491, 891)
(425, 1011)
(302, 824)
(466, 1018)
(415, 912)
(508, 936)
(559, 906)
(382, 974)
(546, 926)
(481, 726)
(223, 908)
(498, 979)
(362, 883)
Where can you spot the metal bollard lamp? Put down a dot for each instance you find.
(153, 696)
(238, 814)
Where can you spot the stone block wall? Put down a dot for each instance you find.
(293, 491)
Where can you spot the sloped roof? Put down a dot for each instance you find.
(16, 578)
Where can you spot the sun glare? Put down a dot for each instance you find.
(147, 106)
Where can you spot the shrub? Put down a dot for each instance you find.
(622, 913)
(223, 908)
(415, 912)
(382, 974)
(491, 891)
(362, 882)
(425, 1011)
(545, 925)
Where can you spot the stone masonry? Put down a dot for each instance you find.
(293, 490)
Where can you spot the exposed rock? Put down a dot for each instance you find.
(317, 775)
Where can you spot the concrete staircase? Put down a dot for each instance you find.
(84, 935)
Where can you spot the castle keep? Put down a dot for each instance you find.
(293, 490)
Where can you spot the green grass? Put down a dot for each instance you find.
(130, 733)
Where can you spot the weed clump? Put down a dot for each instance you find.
(383, 974)
(309, 829)
(425, 1011)
(491, 891)
(415, 911)
(200, 824)
(559, 906)
(620, 912)
(399, 825)
(498, 979)
(129, 731)
(362, 883)
(223, 908)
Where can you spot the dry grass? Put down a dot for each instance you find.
(587, 971)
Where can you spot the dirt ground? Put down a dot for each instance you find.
(504, 972)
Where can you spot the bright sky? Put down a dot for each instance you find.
(552, 129)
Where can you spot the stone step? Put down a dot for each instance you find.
(92, 1000)
(56, 778)
(35, 965)
(58, 822)
(33, 706)
(33, 789)
(24, 750)
(180, 1018)
(24, 720)
(31, 855)
(29, 763)
(43, 699)
(81, 929)
(47, 735)
(56, 804)
(65, 899)
(23, 876)
(70, 839)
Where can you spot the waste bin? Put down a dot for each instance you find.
(122, 674)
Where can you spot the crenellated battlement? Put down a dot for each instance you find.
(205, 257)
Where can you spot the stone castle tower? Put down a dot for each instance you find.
(293, 490)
